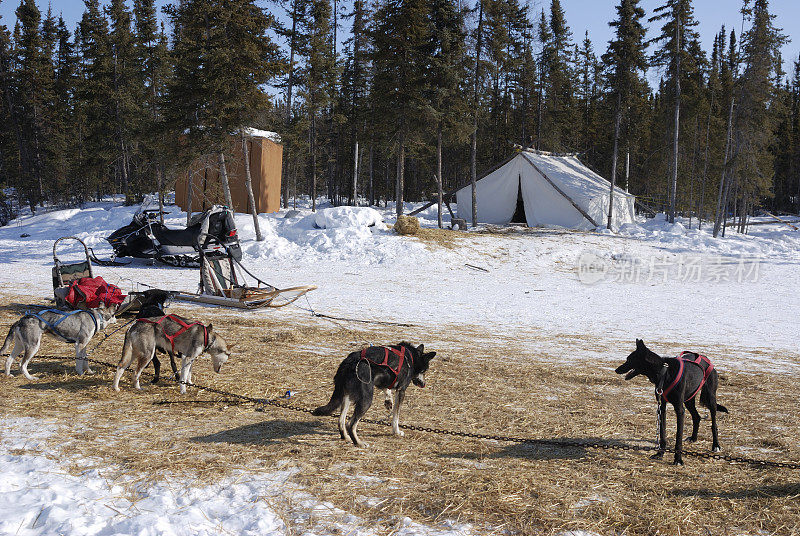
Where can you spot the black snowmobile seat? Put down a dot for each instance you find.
(176, 237)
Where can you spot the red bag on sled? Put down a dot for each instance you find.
(92, 291)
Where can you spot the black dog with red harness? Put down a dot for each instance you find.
(678, 380)
(383, 367)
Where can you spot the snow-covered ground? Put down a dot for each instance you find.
(39, 498)
(653, 280)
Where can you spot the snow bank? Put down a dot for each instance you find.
(338, 217)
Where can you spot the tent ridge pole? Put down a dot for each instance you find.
(559, 190)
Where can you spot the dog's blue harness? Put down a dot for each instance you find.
(53, 326)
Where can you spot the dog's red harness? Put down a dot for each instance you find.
(184, 328)
(697, 361)
(401, 356)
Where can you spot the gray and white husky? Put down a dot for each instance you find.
(77, 327)
(376, 367)
(171, 334)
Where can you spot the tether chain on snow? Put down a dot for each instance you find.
(276, 402)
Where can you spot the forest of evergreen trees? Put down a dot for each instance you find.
(419, 97)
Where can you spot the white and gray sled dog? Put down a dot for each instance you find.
(391, 368)
(171, 334)
(75, 327)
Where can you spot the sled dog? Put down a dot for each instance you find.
(170, 334)
(75, 327)
(383, 367)
(678, 380)
(152, 304)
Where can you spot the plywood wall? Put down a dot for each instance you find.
(266, 158)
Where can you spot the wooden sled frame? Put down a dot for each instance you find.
(219, 285)
(254, 298)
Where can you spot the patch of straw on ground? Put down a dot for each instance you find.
(476, 383)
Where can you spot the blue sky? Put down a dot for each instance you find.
(582, 15)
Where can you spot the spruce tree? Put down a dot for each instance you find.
(756, 118)
(558, 106)
(64, 132)
(223, 56)
(318, 81)
(626, 63)
(677, 34)
(152, 69)
(444, 81)
(95, 94)
(127, 108)
(9, 125)
(34, 86)
(400, 37)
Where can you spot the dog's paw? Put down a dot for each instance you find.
(690, 439)
(657, 456)
(89, 371)
(387, 404)
(716, 449)
(400, 433)
(677, 462)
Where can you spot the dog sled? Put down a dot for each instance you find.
(220, 284)
(210, 240)
(76, 287)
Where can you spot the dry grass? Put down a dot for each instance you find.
(406, 225)
(473, 385)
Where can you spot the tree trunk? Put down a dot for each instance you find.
(617, 114)
(627, 169)
(386, 184)
(248, 184)
(694, 168)
(674, 191)
(223, 176)
(189, 181)
(702, 206)
(354, 193)
(473, 155)
(160, 179)
(371, 177)
(401, 168)
(313, 139)
(720, 215)
(439, 173)
(289, 87)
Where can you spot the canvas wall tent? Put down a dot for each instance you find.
(546, 190)
(266, 156)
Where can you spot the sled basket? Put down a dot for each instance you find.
(64, 273)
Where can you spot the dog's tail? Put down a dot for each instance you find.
(9, 339)
(335, 403)
(722, 408)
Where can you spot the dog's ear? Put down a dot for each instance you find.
(429, 355)
(640, 344)
(210, 328)
(421, 349)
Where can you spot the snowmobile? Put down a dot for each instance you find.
(211, 233)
